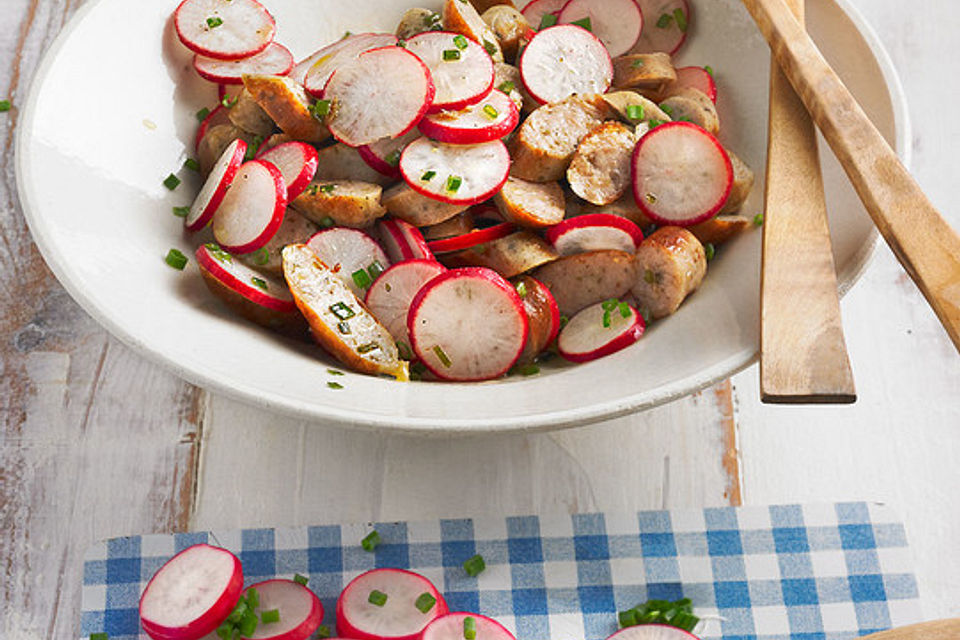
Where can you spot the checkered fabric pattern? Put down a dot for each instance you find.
(806, 572)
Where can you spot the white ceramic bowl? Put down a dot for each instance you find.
(111, 114)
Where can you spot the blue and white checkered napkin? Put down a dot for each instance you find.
(811, 572)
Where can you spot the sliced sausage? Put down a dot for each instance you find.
(460, 17)
(538, 303)
(581, 280)
(347, 203)
(545, 143)
(743, 179)
(250, 116)
(295, 229)
(511, 28)
(456, 226)
(286, 101)
(340, 162)
(510, 256)
(214, 143)
(484, 5)
(625, 207)
(274, 141)
(531, 204)
(419, 210)
(693, 105)
(508, 76)
(289, 323)
(600, 170)
(671, 264)
(627, 103)
(645, 71)
(718, 230)
(416, 21)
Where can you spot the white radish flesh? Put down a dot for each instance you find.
(297, 162)
(381, 94)
(616, 22)
(214, 190)
(455, 174)
(253, 208)
(661, 30)
(594, 232)
(681, 174)
(257, 287)
(275, 60)
(398, 618)
(490, 119)
(652, 632)
(384, 155)
(299, 609)
(390, 296)
(468, 325)
(462, 70)
(224, 29)
(695, 78)
(322, 64)
(565, 60)
(403, 241)
(192, 594)
(600, 330)
(536, 10)
(347, 252)
(451, 627)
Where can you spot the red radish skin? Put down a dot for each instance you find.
(398, 619)
(346, 251)
(275, 60)
(272, 294)
(403, 241)
(297, 162)
(652, 632)
(468, 325)
(383, 156)
(390, 295)
(616, 22)
(192, 594)
(432, 168)
(327, 60)
(218, 116)
(474, 124)
(215, 188)
(459, 82)
(246, 27)
(565, 60)
(696, 78)
(415, 240)
(450, 627)
(253, 208)
(594, 232)
(535, 11)
(391, 79)
(300, 610)
(472, 239)
(585, 338)
(655, 38)
(681, 174)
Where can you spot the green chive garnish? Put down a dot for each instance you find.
(507, 87)
(271, 616)
(253, 598)
(564, 320)
(5, 105)
(635, 112)
(334, 385)
(259, 283)
(681, 19)
(491, 111)
(361, 278)
(710, 250)
(328, 188)
(228, 102)
(394, 158)
(585, 23)
(664, 21)
(425, 602)
(372, 541)
(460, 42)
(367, 348)
(218, 253)
(442, 355)
(342, 310)
(181, 212)
(758, 220)
(406, 353)
(202, 114)
(454, 183)
(654, 123)
(375, 269)
(606, 319)
(490, 47)
(625, 310)
(323, 631)
(191, 164)
(378, 598)
(667, 109)
(320, 109)
(428, 176)
(327, 222)
(474, 566)
(528, 370)
(451, 54)
(522, 289)
(101, 635)
(548, 20)
(214, 22)
(261, 256)
(636, 64)
(470, 628)
(333, 372)
(171, 182)
(252, 148)
(709, 70)
(176, 259)
(610, 304)
(627, 618)
(343, 327)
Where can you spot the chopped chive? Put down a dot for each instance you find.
(214, 22)
(507, 87)
(261, 256)
(709, 70)
(181, 212)
(635, 112)
(564, 319)
(474, 566)
(252, 148)
(342, 310)
(375, 269)
(367, 348)
(333, 372)
(361, 278)
(334, 385)
(248, 626)
(681, 19)
(428, 176)
(654, 123)
(191, 164)
(328, 188)
(451, 54)
(528, 370)
(758, 220)
(313, 189)
(372, 541)
(270, 617)
(320, 109)
(228, 102)
(522, 289)
(327, 222)
(442, 355)
(636, 64)
(323, 631)
(610, 305)
(378, 598)
(627, 618)
(664, 21)
(710, 250)
(470, 628)
(5, 105)
(218, 253)
(667, 109)
(394, 158)
(460, 42)
(490, 47)
(491, 111)
(425, 602)
(454, 183)
(202, 114)
(101, 635)
(171, 182)
(606, 319)
(406, 353)
(176, 259)
(259, 283)
(625, 310)
(585, 23)
(346, 34)
(548, 20)
(343, 327)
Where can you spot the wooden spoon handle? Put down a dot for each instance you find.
(922, 240)
(937, 630)
(803, 355)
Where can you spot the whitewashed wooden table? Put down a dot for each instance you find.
(96, 442)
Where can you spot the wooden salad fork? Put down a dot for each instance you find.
(803, 354)
(927, 247)
(937, 630)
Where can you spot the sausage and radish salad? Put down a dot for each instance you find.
(485, 188)
(199, 594)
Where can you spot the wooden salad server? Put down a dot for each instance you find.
(927, 247)
(803, 355)
(937, 630)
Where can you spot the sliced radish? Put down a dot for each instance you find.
(452, 625)
(462, 70)
(224, 29)
(396, 619)
(472, 239)
(652, 632)
(351, 254)
(599, 330)
(390, 295)
(384, 155)
(192, 594)
(455, 174)
(536, 10)
(468, 325)
(299, 610)
(381, 94)
(403, 241)
(259, 288)
(681, 174)
(543, 315)
(661, 31)
(253, 208)
(594, 232)
(564, 60)
(322, 64)
(218, 116)
(275, 60)
(696, 78)
(616, 22)
(215, 188)
(297, 162)
(490, 119)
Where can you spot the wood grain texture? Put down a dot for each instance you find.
(938, 630)
(803, 354)
(927, 247)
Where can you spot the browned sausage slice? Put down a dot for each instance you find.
(743, 179)
(581, 280)
(534, 205)
(340, 162)
(250, 116)
(456, 226)
(287, 103)
(416, 21)
(538, 303)
(695, 106)
(627, 103)
(644, 71)
(718, 230)
(346, 203)
(511, 28)
(419, 210)
(671, 265)
(460, 17)
(600, 170)
(510, 256)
